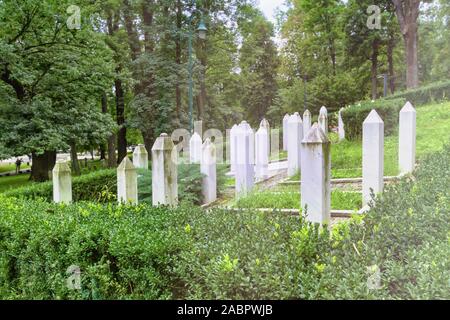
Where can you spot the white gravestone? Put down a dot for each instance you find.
(245, 172)
(323, 120)
(250, 132)
(140, 157)
(127, 190)
(62, 183)
(285, 132)
(295, 137)
(262, 155)
(195, 148)
(341, 127)
(316, 176)
(265, 123)
(164, 172)
(209, 170)
(373, 156)
(407, 139)
(306, 122)
(232, 146)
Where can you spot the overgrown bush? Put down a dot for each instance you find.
(101, 186)
(435, 92)
(406, 236)
(355, 115)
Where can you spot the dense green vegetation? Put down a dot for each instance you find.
(159, 253)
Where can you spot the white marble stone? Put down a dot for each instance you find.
(373, 156)
(285, 132)
(295, 137)
(232, 146)
(140, 157)
(262, 155)
(209, 170)
(245, 172)
(246, 126)
(195, 148)
(341, 126)
(316, 176)
(164, 172)
(306, 122)
(407, 139)
(127, 190)
(265, 123)
(323, 120)
(62, 183)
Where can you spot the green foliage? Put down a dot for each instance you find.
(406, 236)
(435, 92)
(355, 115)
(99, 186)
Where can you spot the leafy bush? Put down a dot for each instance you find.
(97, 186)
(406, 236)
(435, 92)
(355, 115)
(101, 186)
(123, 252)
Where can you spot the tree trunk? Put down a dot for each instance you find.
(390, 58)
(407, 12)
(412, 61)
(120, 114)
(104, 111)
(112, 159)
(148, 141)
(42, 165)
(374, 70)
(178, 59)
(74, 158)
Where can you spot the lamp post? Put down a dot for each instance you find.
(201, 31)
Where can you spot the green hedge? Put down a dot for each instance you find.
(435, 92)
(158, 253)
(355, 115)
(101, 186)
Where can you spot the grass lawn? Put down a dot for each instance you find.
(12, 167)
(291, 200)
(7, 183)
(433, 123)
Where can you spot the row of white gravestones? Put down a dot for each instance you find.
(306, 127)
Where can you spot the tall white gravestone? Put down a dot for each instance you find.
(265, 123)
(306, 122)
(295, 137)
(323, 120)
(164, 172)
(407, 139)
(195, 148)
(127, 190)
(262, 155)
(373, 156)
(246, 126)
(232, 146)
(316, 176)
(209, 170)
(140, 157)
(245, 172)
(285, 132)
(341, 127)
(62, 183)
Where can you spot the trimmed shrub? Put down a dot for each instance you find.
(99, 186)
(355, 115)
(435, 92)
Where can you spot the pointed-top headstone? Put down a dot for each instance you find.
(208, 169)
(140, 157)
(316, 135)
(324, 111)
(408, 107)
(295, 128)
(285, 131)
(373, 117)
(341, 126)
(164, 142)
(195, 148)
(306, 122)
(127, 182)
(62, 182)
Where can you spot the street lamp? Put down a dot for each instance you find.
(201, 31)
